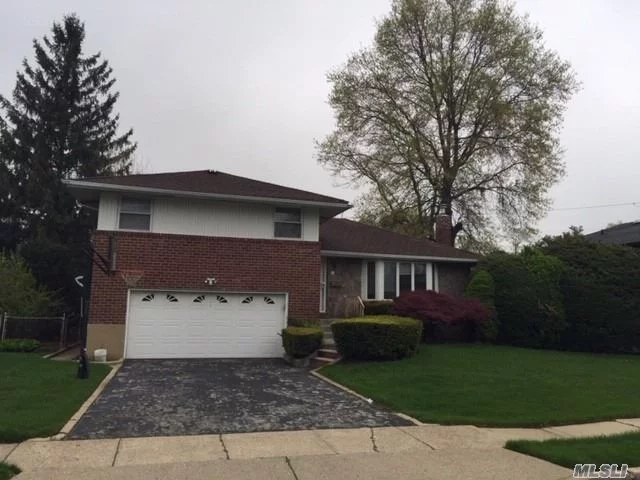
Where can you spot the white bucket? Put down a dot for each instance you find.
(100, 355)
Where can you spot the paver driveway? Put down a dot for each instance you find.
(188, 397)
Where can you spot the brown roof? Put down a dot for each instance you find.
(213, 182)
(342, 235)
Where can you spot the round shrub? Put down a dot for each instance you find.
(482, 287)
(380, 337)
(377, 307)
(300, 342)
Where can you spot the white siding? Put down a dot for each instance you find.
(108, 211)
(208, 218)
(310, 224)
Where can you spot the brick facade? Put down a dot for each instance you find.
(175, 262)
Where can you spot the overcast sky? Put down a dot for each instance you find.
(240, 86)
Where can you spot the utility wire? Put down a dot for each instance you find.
(635, 204)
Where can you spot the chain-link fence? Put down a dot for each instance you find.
(48, 330)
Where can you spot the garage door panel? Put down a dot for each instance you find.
(193, 325)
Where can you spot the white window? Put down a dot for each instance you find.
(287, 223)
(135, 214)
(388, 279)
(390, 272)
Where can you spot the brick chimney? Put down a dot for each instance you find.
(444, 229)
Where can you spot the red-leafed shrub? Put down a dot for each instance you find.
(444, 318)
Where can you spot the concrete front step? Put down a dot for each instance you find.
(320, 362)
(328, 353)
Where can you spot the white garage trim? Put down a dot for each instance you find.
(215, 293)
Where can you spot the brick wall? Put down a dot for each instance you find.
(176, 262)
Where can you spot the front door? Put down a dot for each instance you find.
(323, 285)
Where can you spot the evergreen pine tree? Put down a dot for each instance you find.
(59, 124)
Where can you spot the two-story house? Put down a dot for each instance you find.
(207, 264)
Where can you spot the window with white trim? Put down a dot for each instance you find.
(135, 214)
(287, 223)
(395, 278)
(390, 272)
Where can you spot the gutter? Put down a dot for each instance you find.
(334, 253)
(105, 187)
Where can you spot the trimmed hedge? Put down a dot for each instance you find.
(380, 337)
(377, 307)
(300, 342)
(19, 345)
(444, 318)
(483, 288)
(528, 298)
(601, 288)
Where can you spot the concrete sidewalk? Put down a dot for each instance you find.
(433, 442)
(410, 465)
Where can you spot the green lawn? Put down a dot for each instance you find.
(499, 386)
(7, 471)
(567, 452)
(37, 396)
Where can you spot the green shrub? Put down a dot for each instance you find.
(19, 345)
(377, 307)
(55, 265)
(528, 298)
(19, 292)
(300, 342)
(377, 338)
(483, 288)
(8, 471)
(601, 293)
(298, 322)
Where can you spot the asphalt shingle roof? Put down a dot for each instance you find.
(214, 182)
(622, 234)
(342, 235)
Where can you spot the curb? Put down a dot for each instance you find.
(58, 352)
(317, 374)
(75, 418)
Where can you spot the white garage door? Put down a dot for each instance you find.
(204, 325)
